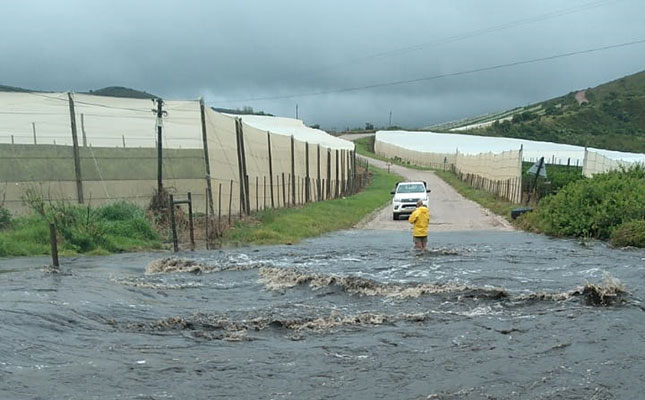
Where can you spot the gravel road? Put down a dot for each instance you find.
(449, 211)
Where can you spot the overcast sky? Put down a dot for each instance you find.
(274, 55)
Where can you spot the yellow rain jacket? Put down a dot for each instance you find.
(420, 218)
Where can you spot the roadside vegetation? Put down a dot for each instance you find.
(116, 227)
(286, 226)
(607, 206)
(123, 226)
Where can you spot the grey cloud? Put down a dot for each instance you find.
(237, 50)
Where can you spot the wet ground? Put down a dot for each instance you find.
(353, 315)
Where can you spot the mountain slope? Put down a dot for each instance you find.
(609, 116)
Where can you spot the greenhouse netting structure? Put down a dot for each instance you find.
(90, 149)
(494, 163)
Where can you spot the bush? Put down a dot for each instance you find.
(115, 227)
(630, 233)
(593, 207)
(5, 218)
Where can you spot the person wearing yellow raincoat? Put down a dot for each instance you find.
(420, 219)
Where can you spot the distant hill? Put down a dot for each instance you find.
(120, 91)
(112, 91)
(609, 116)
(4, 88)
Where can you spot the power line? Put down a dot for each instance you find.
(465, 35)
(434, 77)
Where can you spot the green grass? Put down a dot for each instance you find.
(112, 228)
(286, 226)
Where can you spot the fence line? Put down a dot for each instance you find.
(200, 155)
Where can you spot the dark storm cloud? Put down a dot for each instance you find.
(230, 52)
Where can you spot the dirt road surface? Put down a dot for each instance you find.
(449, 211)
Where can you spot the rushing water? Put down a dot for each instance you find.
(354, 315)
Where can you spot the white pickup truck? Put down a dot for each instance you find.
(406, 195)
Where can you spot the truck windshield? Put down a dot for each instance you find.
(416, 188)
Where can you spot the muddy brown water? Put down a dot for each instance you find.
(352, 315)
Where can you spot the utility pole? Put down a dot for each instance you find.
(160, 114)
(296, 111)
(390, 123)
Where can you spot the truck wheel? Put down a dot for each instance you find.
(395, 217)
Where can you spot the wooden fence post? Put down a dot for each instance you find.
(54, 245)
(270, 168)
(190, 222)
(293, 171)
(230, 202)
(207, 163)
(328, 174)
(77, 157)
(336, 183)
(175, 245)
(307, 185)
(284, 194)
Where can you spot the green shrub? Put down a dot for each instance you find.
(630, 233)
(5, 218)
(593, 207)
(119, 226)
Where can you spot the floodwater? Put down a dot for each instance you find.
(353, 315)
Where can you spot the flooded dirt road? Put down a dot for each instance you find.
(449, 211)
(352, 315)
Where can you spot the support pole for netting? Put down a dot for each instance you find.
(264, 192)
(337, 183)
(207, 163)
(270, 168)
(247, 191)
(230, 202)
(208, 223)
(241, 158)
(354, 170)
(284, 192)
(293, 171)
(307, 178)
(318, 188)
(160, 114)
(77, 157)
(328, 174)
(33, 127)
(343, 182)
(219, 206)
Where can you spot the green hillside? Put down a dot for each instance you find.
(609, 116)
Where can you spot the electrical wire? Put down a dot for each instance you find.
(462, 36)
(434, 77)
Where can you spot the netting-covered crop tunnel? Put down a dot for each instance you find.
(494, 163)
(93, 149)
